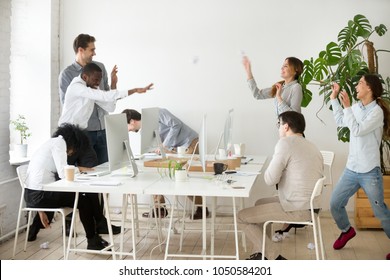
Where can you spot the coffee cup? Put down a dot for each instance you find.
(69, 172)
(181, 151)
(219, 167)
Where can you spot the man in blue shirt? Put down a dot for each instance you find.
(173, 133)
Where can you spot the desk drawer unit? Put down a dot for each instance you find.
(364, 216)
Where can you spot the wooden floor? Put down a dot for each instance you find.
(367, 245)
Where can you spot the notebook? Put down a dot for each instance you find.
(97, 172)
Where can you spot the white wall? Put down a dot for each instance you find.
(160, 41)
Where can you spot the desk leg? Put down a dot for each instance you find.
(213, 217)
(204, 227)
(132, 207)
(76, 201)
(123, 218)
(235, 227)
(175, 198)
(107, 209)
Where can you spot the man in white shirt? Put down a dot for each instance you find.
(81, 96)
(296, 166)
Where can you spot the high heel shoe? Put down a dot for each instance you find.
(290, 226)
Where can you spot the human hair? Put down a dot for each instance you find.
(75, 138)
(375, 84)
(132, 114)
(295, 120)
(297, 64)
(91, 68)
(294, 63)
(82, 41)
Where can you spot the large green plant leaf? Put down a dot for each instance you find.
(343, 134)
(332, 54)
(380, 29)
(347, 37)
(307, 96)
(320, 68)
(364, 28)
(308, 72)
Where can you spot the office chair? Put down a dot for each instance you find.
(328, 157)
(314, 222)
(22, 175)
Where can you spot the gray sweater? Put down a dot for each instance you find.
(296, 166)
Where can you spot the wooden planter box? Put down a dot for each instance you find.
(364, 216)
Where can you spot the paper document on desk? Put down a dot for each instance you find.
(103, 183)
(247, 173)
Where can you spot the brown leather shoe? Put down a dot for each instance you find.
(199, 213)
(161, 214)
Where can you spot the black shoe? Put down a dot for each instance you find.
(96, 243)
(101, 228)
(290, 226)
(256, 256)
(161, 214)
(280, 258)
(33, 232)
(199, 213)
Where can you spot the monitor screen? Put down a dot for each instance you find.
(228, 131)
(117, 136)
(203, 144)
(149, 124)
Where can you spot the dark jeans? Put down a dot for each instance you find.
(99, 144)
(88, 206)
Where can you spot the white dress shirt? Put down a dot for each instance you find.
(80, 101)
(45, 162)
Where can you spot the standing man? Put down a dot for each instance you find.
(173, 133)
(84, 48)
(296, 166)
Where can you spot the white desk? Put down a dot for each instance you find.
(150, 182)
(196, 186)
(129, 186)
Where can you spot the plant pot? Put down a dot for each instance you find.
(181, 175)
(20, 150)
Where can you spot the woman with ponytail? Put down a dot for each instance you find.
(286, 93)
(368, 121)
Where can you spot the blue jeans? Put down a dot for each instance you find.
(99, 144)
(348, 185)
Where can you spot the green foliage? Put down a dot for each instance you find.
(342, 62)
(20, 125)
(174, 165)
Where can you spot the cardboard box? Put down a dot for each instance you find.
(232, 163)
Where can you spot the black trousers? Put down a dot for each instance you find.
(88, 206)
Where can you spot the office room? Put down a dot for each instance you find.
(192, 52)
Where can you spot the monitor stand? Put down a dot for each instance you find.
(131, 158)
(217, 148)
(160, 145)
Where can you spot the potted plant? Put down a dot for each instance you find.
(21, 126)
(177, 171)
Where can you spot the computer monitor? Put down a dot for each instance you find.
(228, 131)
(226, 135)
(150, 137)
(118, 148)
(203, 144)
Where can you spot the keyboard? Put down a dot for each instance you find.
(99, 171)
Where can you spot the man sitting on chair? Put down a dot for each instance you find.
(296, 166)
